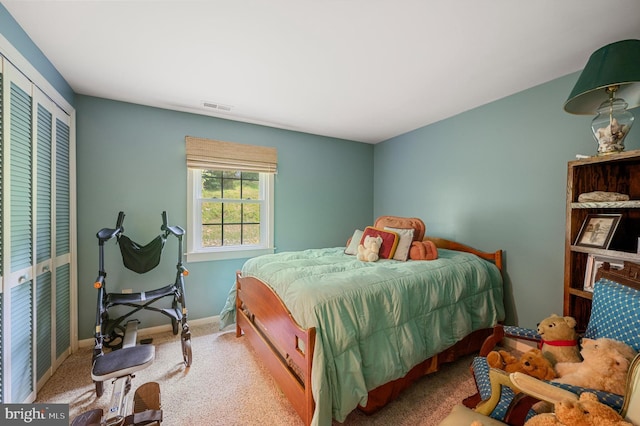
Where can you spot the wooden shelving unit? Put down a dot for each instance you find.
(611, 173)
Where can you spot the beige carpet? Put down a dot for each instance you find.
(227, 385)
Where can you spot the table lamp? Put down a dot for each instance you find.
(607, 86)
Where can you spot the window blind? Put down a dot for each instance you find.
(218, 155)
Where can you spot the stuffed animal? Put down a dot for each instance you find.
(368, 251)
(604, 366)
(531, 362)
(559, 340)
(587, 411)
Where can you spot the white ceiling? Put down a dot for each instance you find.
(363, 70)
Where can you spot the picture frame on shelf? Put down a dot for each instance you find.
(597, 230)
(593, 264)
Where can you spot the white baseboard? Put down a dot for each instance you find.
(157, 329)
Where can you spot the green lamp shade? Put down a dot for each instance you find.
(614, 64)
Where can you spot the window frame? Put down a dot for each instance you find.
(197, 253)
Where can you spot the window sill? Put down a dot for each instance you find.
(205, 256)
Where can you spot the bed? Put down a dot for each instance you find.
(337, 333)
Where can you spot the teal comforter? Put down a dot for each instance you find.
(375, 321)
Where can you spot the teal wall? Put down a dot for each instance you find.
(132, 158)
(495, 178)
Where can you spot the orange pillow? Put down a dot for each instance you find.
(389, 241)
(423, 250)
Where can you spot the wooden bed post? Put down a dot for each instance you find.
(238, 305)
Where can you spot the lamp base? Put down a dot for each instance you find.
(604, 154)
(607, 146)
(611, 125)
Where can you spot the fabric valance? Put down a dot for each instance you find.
(218, 155)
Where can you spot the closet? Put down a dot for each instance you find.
(37, 222)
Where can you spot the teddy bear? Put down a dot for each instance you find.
(586, 411)
(531, 362)
(559, 339)
(604, 366)
(369, 248)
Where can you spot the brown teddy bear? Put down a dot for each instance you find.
(587, 411)
(531, 362)
(605, 366)
(559, 339)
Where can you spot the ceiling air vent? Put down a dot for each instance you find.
(216, 106)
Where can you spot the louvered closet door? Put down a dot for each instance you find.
(37, 232)
(37, 239)
(18, 238)
(62, 241)
(44, 132)
(52, 224)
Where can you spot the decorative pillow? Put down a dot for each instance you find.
(354, 241)
(423, 250)
(406, 237)
(389, 241)
(402, 222)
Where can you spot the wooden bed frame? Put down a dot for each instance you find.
(287, 349)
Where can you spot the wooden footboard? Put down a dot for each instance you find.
(287, 349)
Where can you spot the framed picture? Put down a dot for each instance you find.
(597, 230)
(593, 264)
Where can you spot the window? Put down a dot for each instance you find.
(230, 200)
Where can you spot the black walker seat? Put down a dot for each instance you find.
(110, 332)
(125, 361)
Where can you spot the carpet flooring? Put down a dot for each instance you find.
(227, 385)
